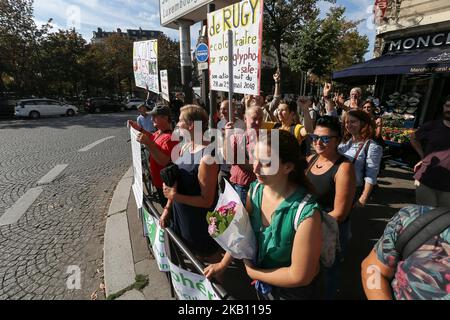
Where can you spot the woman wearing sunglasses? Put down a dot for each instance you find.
(360, 148)
(333, 177)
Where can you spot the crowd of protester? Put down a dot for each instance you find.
(330, 153)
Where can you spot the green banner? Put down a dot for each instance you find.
(157, 239)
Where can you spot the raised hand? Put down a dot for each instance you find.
(134, 125)
(277, 76)
(327, 89)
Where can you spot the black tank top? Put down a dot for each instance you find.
(189, 222)
(324, 184)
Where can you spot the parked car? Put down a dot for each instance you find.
(133, 103)
(35, 108)
(98, 105)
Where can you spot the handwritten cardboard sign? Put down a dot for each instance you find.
(145, 65)
(245, 19)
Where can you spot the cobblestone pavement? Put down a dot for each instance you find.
(65, 225)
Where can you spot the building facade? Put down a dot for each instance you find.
(411, 68)
(136, 35)
(409, 30)
(396, 19)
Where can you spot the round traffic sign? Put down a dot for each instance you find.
(202, 52)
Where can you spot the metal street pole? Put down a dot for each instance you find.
(186, 61)
(230, 76)
(301, 83)
(205, 72)
(212, 94)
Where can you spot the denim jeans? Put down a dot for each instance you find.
(332, 275)
(242, 192)
(313, 291)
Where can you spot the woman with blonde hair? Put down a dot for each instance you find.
(195, 192)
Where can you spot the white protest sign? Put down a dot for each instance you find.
(138, 189)
(157, 239)
(164, 85)
(191, 286)
(245, 19)
(145, 65)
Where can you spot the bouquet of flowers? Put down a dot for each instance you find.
(229, 225)
(219, 220)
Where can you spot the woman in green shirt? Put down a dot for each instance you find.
(286, 222)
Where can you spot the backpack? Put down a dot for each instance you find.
(421, 230)
(291, 128)
(330, 234)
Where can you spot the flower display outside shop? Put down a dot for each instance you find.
(399, 135)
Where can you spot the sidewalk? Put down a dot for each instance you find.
(396, 190)
(126, 253)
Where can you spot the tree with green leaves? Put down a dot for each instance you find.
(107, 65)
(169, 59)
(329, 44)
(19, 40)
(283, 19)
(62, 71)
(36, 62)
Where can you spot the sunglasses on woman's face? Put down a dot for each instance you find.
(324, 139)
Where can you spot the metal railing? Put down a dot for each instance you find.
(176, 245)
(180, 249)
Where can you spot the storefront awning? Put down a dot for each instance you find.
(433, 60)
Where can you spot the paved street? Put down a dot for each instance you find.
(396, 190)
(64, 226)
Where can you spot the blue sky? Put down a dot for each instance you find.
(88, 15)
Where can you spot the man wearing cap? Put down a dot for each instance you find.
(159, 144)
(144, 120)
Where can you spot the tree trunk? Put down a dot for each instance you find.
(279, 61)
(2, 85)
